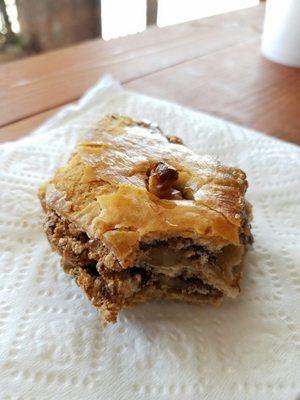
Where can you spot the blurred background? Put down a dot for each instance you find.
(29, 27)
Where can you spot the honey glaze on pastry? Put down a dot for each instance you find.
(137, 215)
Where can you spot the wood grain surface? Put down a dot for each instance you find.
(237, 84)
(213, 65)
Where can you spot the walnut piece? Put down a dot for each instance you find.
(161, 179)
(174, 139)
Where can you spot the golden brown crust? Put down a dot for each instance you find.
(136, 215)
(104, 189)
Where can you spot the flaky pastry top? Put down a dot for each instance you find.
(129, 182)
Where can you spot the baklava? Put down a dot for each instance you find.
(137, 216)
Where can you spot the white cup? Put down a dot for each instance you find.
(281, 34)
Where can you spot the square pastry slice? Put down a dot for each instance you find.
(136, 215)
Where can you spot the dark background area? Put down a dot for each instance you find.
(49, 24)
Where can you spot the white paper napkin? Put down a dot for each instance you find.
(51, 342)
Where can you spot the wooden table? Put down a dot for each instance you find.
(213, 65)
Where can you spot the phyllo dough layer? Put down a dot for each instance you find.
(136, 215)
